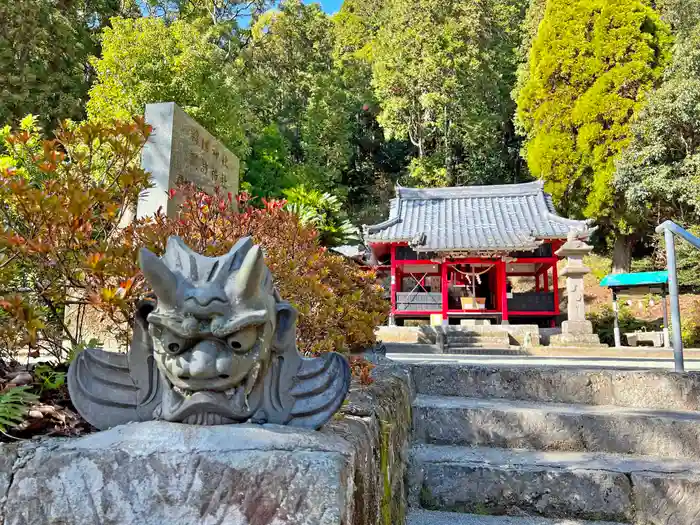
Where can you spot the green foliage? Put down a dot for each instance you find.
(690, 325)
(604, 320)
(442, 73)
(530, 26)
(659, 174)
(269, 169)
(48, 377)
(76, 348)
(324, 213)
(427, 172)
(600, 266)
(216, 12)
(145, 60)
(356, 25)
(687, 262)
(44, 50)
(375, 164)
(16, 153)
(14, 404)
(292, 84)
(681, 15)
(590, 68)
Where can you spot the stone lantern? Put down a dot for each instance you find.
(577, 330)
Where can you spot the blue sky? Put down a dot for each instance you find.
(329, 6)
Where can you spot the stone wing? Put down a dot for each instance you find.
(110, 389)
(321, 386)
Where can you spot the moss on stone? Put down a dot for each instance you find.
(385, 428)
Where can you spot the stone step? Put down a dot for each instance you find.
(478, 344)
(660, 389)
(469, 336)
(484, 350)
(427, 517)
(531, 425)
(478, 340)
(484, 329)
(577, 485)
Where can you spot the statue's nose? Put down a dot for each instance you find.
(203, 360)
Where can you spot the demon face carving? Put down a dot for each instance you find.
(219, 347)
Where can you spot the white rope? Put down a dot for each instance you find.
(473, 275)
(472, 272)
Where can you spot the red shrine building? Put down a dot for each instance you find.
(451, 253)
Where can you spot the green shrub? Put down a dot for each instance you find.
(323, 212)
(690, 325)
(604, 323)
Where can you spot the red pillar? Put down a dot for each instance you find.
(555, 287)
(537, 282)
(504, 290)
(545, 279)
(393, 284)
(444, 289)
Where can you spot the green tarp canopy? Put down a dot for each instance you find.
(632, 280)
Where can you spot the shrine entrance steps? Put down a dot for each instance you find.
(491, 341)
(522, 445)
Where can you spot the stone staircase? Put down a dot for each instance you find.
(554, 446)
(479, 340)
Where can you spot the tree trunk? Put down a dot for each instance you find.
(622, 254)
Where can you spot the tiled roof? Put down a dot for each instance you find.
(473, 218)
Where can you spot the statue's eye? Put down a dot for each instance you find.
(243, 340)
(173, 344)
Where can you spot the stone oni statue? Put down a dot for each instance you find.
(219, 347)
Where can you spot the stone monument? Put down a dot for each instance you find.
(218, 346)
(180, 150)
(577, 330)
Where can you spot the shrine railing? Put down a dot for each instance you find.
(669, 229)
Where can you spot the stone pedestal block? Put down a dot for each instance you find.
(578, 339)
(158, 472)
(351, 472)
(577, 327)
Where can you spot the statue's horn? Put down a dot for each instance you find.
(250, 274)
(162, 280)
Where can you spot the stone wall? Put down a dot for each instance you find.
(377, 421)
(349, 473)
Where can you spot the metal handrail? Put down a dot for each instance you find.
(669, 228)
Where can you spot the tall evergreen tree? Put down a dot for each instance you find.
(147, 60)
(44, 50)
(591, 66)
(659, 173)
(442, 73)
